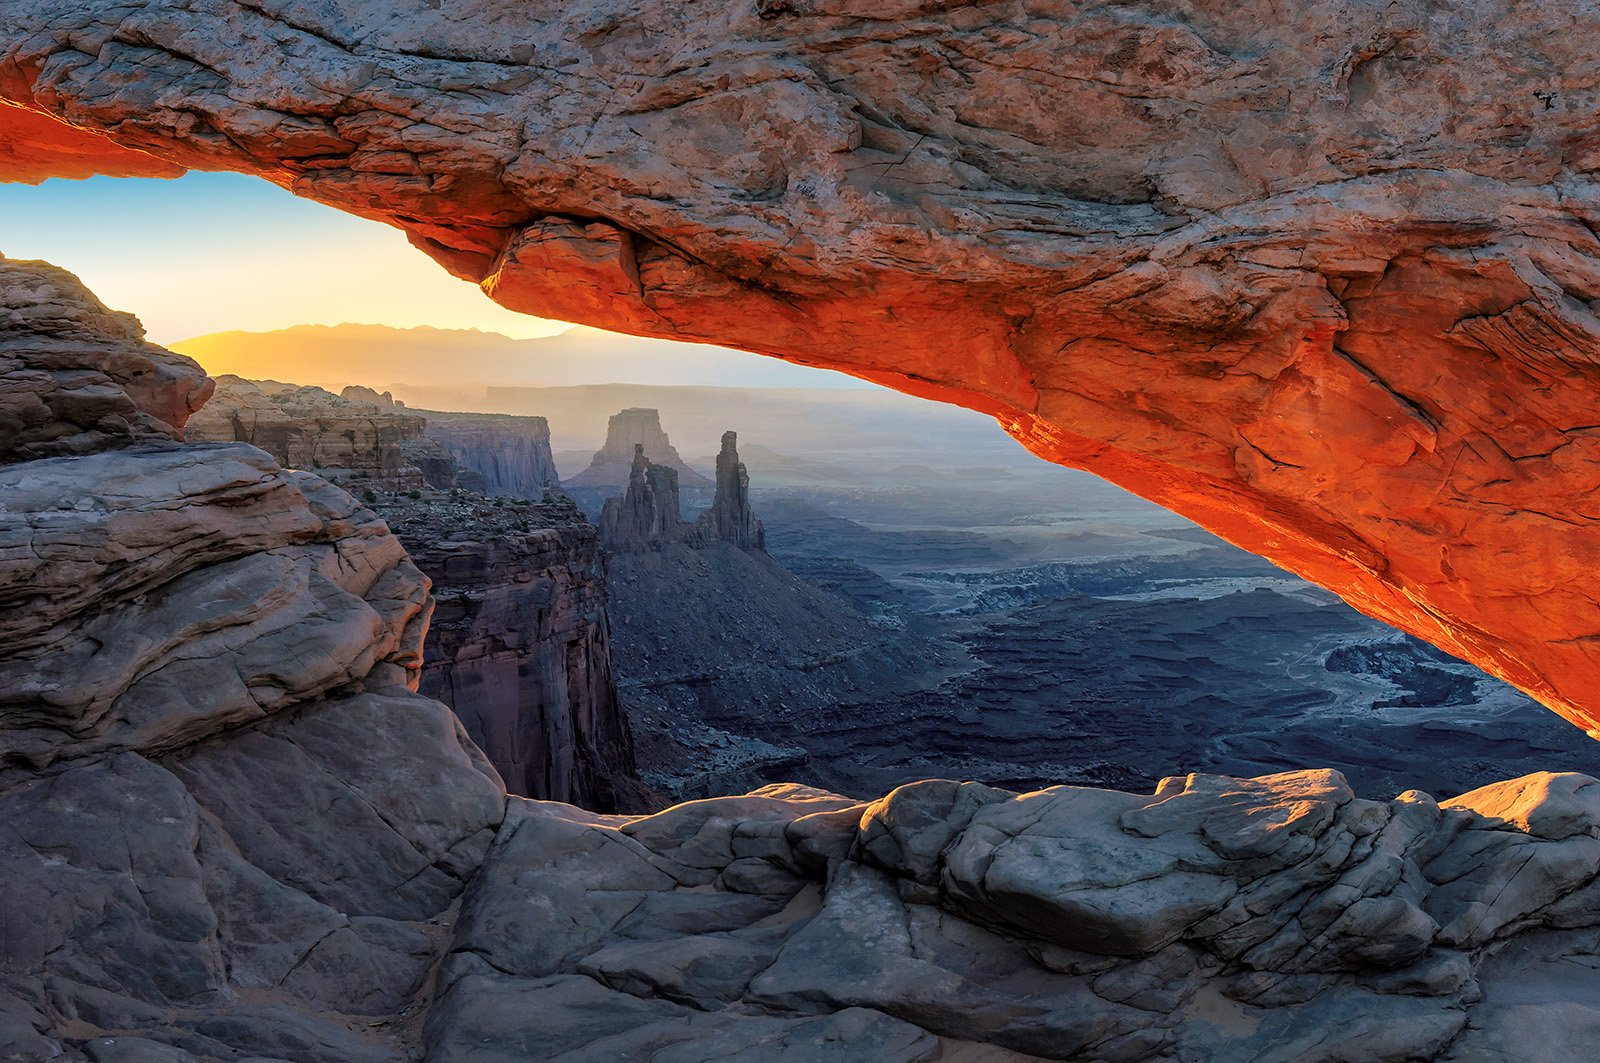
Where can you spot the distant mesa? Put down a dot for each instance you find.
(613, 463)
(345, 438)
(383, 400)
(648, 515)
(363, 437)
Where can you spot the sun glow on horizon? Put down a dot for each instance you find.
(213, 252)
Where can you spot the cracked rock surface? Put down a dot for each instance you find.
(1219, 918)
(1322, 278)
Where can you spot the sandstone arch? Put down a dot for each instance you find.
(1320, 276)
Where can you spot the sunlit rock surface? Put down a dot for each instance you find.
(1274, 918)
(229, 829)
(349, 438)
(1319, 277)
(76, 377)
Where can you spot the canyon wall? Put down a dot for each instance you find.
(519, 645)
(346, 439)
(1322, 278)
(508, 455)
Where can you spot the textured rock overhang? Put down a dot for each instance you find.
(1321, 277)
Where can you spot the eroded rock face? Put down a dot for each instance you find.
(347, 438)
(628, 433)
(506, 454)
(1320, 280)
(519, 643)
(648, 514)
(76, 377)
(1220, 918)
(230, 827)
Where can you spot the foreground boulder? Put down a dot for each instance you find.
(1267, 919)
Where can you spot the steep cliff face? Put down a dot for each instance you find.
(519, 645)
(1323, 281)
(627, 432)
(346, 439)
(232, 831)
(508, 455)
(646, 515)
(730, 519)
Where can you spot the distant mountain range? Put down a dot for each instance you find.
(466, 361)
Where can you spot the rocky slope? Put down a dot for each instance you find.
(627, 432)
(519, 644)
(508, 455)
(1324, 281)
(231, 826)
(346, 438)
(648, 514)
(233, 831)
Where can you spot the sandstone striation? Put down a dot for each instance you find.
(344, 438)
(1323, 281)
(1219, 918)
(519, 644)
(76, 377)
(627, 433)
(505, 454)
(231, 827)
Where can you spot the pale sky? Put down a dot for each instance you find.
(212, 252)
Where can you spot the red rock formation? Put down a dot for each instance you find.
(648, 514)
(629, 433)
(1318, 276)
(730, 518)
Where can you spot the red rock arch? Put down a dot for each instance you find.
(1320, 277)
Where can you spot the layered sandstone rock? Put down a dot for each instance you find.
(76, 377)
(519, 644)
(1220, 918)
(231, 827)
(1320, 280)
(344, 438)
(648, 514)
(627, 433)
(507, 454)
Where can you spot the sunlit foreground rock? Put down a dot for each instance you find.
(1322, 279)
(230, 830)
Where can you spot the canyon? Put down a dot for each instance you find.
(1324, 281)
(234, 829)
(518, 644)
(1321, 282)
